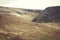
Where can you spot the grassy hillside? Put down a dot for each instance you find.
(29, 16)
(13, 27)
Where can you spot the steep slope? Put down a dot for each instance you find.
(50, 14)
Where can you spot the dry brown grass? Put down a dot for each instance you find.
(14, 27)
(23, 30)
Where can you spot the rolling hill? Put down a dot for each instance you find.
(15, 27)
(24, 13)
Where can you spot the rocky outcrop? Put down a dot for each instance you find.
(50, 14)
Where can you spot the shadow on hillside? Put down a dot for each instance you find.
(50, 14)
(47, 22)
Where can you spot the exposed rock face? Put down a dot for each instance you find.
(50, 14)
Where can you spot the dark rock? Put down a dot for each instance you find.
(50, 14)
